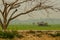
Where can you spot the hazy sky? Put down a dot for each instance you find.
(36, 14)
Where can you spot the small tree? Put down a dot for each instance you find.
(8, 7)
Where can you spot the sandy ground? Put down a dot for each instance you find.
(36, 35)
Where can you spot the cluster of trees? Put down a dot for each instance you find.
(42, 23)
(16, 4)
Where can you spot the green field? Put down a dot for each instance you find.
(33, 27)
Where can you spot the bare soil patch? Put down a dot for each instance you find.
(37, 35)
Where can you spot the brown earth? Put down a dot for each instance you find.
(36, 35)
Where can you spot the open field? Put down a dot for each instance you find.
(33, 27)
(34, 32)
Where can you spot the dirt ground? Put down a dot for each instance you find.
(37, 35)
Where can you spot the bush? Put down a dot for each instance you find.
(10, 35)
(17, 34)
(6, 35)
(42, 24)
(55, 35)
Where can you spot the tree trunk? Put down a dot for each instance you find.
(4, 28)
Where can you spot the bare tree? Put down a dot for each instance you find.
(8, 7)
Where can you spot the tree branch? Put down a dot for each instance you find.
(32, 9)
(44, 1)
(57, 9)
(13, 2)
(13, 13)
(1, 23)
(1, 13)
(22, 2)
(11, 16)
(16, 5)
(3, 1)
(5, 10)
(47, 12)
(12, 5)
(52, 3)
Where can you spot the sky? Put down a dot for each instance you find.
(35, 14)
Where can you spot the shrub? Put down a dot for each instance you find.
(17, 34)
(6, 35)
(10, 35)
(55, 35)
(42, 23)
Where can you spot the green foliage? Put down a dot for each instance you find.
(19, 36)
(42, 24)
(6, 35)
(55, 35)
(33, 27)
(10, 35)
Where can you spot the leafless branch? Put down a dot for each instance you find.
(47, 12)
(1, 11)
(1, 22)
(24, 1)
(55, 9)
(32, 9)
(51, 3)
(43, 7)
(11, 16)
(44, 1)
(3, 1)
(58, 9)
(16, 5)
(13, 13)
(30, 15)
(13, 2)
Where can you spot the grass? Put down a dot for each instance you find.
(33, 27)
